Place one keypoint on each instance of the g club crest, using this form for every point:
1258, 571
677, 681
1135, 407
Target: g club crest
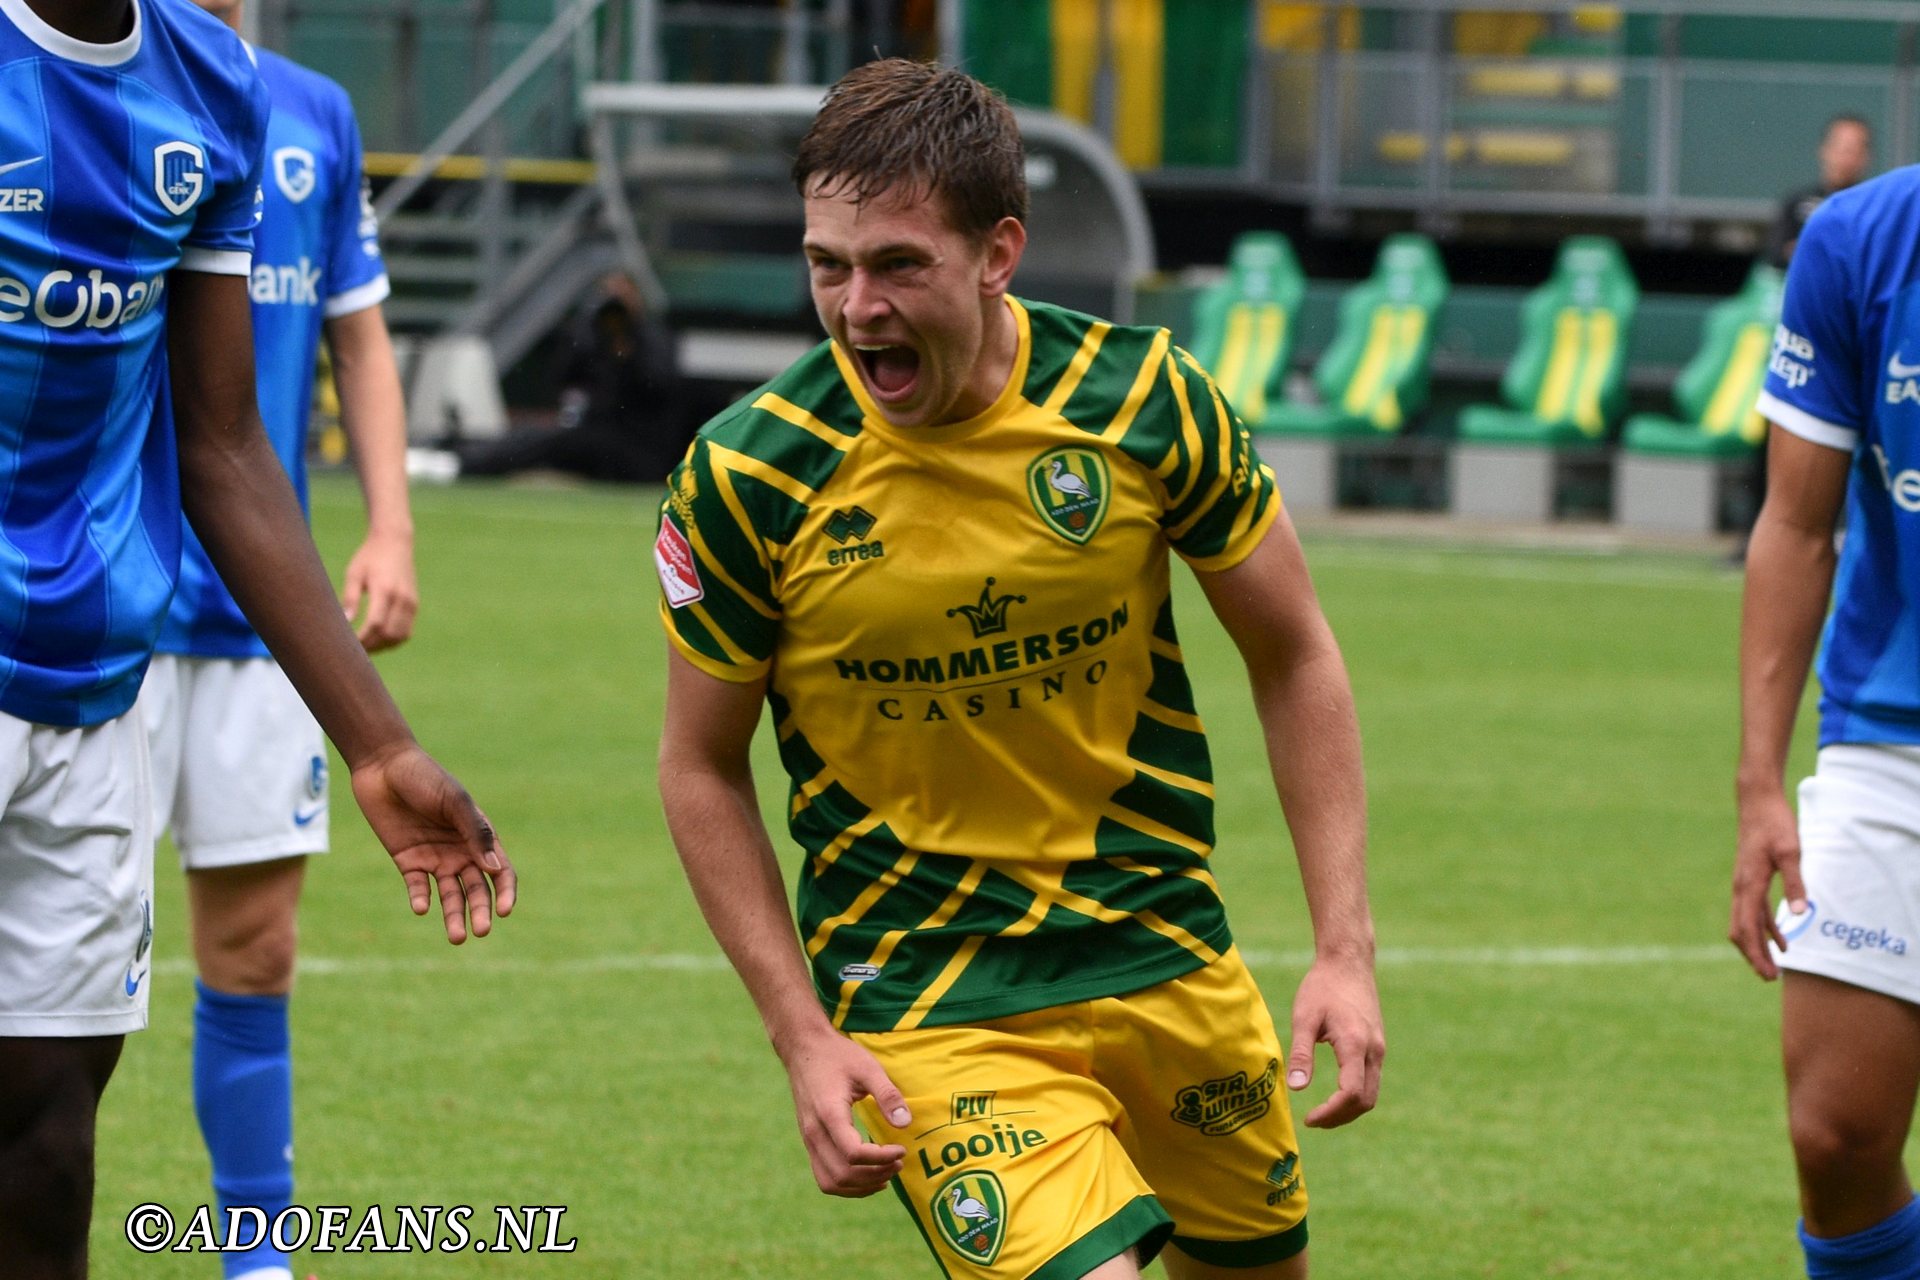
970, 1210
1070, 488
293, 172
179, 175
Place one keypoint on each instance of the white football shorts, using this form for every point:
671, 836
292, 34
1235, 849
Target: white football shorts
76, 878
239, 763
1860, 859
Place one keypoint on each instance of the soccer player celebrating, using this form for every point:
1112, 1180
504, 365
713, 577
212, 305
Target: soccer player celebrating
239, 766
131, 135
936, 548
1843, 396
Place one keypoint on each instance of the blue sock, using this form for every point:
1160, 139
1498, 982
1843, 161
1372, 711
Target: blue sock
1887, 1250
243, 1094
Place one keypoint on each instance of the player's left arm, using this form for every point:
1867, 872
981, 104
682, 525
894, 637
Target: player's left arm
1305, 704
373, 413
238, 499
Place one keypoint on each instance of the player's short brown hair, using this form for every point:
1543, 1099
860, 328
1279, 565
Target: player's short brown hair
917, 127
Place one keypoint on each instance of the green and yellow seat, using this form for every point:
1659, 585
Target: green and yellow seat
1715, 393
1567, 382
1373, 376
1244, 326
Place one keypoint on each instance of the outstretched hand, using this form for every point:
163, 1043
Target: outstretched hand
828, 1076
1338, 1003
1769, 846
437, 837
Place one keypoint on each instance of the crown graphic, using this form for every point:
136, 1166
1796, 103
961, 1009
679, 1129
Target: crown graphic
989, 617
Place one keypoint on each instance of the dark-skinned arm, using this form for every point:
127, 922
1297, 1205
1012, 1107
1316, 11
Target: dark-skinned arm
242, 506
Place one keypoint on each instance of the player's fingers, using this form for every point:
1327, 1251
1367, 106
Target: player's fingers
453, 909
506, 887
419, 891
474, 885
1306, 1033
352, 588
886, 1095
1791, 885
1342, 1107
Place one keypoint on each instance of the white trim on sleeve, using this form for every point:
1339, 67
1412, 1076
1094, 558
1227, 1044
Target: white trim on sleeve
1805, 425
217, 262
359, 298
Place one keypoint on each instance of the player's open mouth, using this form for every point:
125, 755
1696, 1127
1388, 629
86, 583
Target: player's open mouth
892, 371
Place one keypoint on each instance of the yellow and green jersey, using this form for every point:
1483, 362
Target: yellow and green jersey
998, 776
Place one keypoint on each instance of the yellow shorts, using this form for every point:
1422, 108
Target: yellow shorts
1046, 1143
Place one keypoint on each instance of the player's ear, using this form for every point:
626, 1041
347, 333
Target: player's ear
1005, 243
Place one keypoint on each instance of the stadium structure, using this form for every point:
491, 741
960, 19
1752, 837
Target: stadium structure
1478, 255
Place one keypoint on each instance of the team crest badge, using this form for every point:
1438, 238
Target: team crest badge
293, 172
179, 175
971, 1212
1069, 488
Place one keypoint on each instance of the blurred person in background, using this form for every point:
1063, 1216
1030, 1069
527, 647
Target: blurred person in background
239, 763
626, 415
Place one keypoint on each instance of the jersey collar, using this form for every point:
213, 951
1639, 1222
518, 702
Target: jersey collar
62, 45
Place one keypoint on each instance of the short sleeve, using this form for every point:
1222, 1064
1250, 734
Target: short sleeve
356, 273
1814, 386
717, 597
1220, 498
221, 242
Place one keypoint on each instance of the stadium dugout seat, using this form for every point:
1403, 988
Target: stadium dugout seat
1372, 377
1244, 326
1564, 387
1676, 474
1374, 374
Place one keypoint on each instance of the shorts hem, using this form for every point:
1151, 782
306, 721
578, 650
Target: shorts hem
1246, 1253
67, 1026
247, 852
1862, 976
1141, 1222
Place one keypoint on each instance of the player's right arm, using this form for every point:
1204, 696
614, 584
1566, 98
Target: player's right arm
706, 787
1790, 561
1813, 397
238, 499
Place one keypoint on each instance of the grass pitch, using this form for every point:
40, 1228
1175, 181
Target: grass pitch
1581, 1081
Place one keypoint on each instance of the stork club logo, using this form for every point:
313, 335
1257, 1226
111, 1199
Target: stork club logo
970, 1211
1069, 488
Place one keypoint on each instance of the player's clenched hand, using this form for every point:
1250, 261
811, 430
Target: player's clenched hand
1339, 1004
439, 840
1769, 845
381, 575
829, 1073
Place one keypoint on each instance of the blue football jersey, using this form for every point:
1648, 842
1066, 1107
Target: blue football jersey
118, 163
1845, 373
316, 256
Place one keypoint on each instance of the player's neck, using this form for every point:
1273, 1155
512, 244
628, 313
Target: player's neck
94, 21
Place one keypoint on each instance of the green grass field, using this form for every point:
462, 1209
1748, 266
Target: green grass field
1582, 1078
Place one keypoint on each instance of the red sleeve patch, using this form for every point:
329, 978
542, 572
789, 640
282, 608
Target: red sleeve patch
673, 557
